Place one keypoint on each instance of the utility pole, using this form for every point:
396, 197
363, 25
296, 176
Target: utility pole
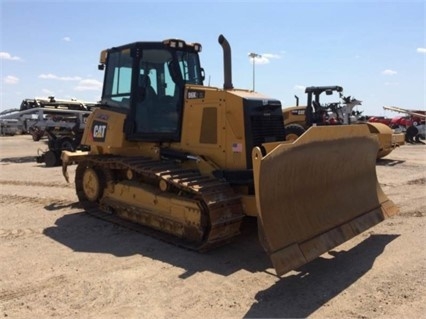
254, 56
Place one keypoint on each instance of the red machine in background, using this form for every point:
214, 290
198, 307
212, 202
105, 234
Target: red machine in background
380, 119
412, 123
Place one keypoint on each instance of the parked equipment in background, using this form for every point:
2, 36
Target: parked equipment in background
52, 102
58, 142
315, 113
34, 115
413, 124
9, 127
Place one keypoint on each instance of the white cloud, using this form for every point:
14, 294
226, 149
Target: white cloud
51, 76
389, 72
88, 85
48, 92
10, 79
66, 39
264, 58
8, 56
271, 56
299, 87
421, 50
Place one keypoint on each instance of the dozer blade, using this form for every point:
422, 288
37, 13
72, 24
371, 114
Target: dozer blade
317, 192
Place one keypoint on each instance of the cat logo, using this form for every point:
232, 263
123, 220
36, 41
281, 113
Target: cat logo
99, 131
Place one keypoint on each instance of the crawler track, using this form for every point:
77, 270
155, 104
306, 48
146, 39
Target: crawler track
221, 210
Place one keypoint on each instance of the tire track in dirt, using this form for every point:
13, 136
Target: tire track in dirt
417, 181
22, 159
32, 183
31, 288
17, 233
50, 203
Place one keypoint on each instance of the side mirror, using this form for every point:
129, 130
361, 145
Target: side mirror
174, 71
203, 75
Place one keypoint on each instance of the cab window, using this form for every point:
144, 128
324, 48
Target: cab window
118, 80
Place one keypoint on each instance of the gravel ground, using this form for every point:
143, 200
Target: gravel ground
57, 261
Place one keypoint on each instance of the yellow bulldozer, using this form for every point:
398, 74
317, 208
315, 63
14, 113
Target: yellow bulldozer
189, 162
297, 119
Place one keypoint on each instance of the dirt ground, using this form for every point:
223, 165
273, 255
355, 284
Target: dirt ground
57, 261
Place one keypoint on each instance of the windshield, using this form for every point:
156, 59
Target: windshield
147, 81
118, 79
158, 94
189, 67
164, 69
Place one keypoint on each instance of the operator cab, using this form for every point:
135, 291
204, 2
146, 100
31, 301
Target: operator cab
146, 80
315, 111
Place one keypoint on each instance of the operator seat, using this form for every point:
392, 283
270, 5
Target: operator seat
147, 91
146, 104
316, 106
318, 113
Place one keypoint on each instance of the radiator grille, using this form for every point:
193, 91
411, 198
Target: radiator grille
267, 128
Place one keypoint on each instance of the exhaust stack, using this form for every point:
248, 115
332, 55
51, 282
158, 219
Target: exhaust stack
227, 64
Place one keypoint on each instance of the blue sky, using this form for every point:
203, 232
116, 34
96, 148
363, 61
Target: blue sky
376, 50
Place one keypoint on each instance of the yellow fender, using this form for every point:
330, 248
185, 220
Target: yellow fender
69, 157
388, 140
